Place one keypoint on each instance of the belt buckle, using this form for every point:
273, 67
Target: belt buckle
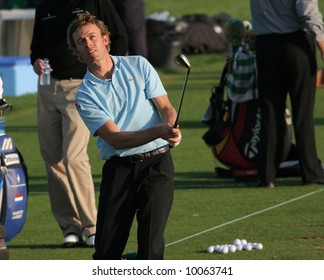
137, 157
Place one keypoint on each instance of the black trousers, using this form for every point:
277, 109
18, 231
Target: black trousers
286, 65
141, 188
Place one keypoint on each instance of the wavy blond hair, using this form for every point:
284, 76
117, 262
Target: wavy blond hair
82, 20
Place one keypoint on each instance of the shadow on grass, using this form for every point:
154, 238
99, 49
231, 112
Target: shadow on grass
199, 180
183, 180
47, 246
319, 121
38, 184
193, 125
25, 128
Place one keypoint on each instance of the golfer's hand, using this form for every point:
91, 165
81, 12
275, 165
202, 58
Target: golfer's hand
176, 136
167, 132
320, 45
177, 142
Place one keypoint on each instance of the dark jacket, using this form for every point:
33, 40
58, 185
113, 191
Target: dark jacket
52, 19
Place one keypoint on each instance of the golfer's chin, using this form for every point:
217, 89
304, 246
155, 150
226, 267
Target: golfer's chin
91, 53
91, 59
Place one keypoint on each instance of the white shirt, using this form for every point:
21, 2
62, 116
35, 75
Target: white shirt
287, 16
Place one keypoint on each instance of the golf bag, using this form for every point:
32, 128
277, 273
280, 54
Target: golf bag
235, 130
13, 186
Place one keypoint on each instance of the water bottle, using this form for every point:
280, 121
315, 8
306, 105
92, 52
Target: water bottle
45, 79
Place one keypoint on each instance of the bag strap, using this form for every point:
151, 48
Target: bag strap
225, 72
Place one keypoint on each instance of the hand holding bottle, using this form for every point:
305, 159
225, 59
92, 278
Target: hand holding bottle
45, 78
43, 69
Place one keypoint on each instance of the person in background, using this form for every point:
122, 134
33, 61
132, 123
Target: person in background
4, 105
132, 13
286, 35
63, 137
124, 104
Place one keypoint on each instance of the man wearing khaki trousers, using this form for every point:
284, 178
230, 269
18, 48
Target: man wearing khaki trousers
63, 137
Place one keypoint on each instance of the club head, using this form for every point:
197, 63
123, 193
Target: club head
182, 61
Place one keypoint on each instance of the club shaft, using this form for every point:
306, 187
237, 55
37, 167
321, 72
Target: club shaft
181, 98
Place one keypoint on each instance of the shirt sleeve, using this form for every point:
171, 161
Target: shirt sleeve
311, 17
153, 84
90, 111
36, 43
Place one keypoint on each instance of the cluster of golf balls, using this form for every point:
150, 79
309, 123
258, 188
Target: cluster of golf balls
238, 245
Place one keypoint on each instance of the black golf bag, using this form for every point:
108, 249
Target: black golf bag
13, 185
234, 133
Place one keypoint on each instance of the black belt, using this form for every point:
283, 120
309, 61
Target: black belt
144, 156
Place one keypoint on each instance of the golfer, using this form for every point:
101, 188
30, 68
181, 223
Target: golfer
123, 102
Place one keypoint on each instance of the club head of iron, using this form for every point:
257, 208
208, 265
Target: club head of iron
182, 61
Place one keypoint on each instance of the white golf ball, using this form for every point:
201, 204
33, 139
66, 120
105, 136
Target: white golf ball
216, 248
225, 250
232, 248
247, 247
259, 246
243, 242
237, 242
210, 249
239, 247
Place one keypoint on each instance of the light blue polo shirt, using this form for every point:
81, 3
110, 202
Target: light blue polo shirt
125, 99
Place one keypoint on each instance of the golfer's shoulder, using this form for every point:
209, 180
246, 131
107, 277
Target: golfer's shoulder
132, 61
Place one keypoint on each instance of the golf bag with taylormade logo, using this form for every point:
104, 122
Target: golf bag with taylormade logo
235, 130
13, 185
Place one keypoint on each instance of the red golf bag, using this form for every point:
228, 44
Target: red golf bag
235, 131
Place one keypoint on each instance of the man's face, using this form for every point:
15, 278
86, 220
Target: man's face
91, 46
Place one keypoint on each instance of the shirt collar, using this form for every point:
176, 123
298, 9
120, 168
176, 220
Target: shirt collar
95, 80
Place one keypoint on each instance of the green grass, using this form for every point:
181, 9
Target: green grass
288, 219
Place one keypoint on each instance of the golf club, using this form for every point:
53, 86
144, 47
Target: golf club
182, 61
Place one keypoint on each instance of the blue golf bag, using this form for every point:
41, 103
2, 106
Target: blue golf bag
13, 185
